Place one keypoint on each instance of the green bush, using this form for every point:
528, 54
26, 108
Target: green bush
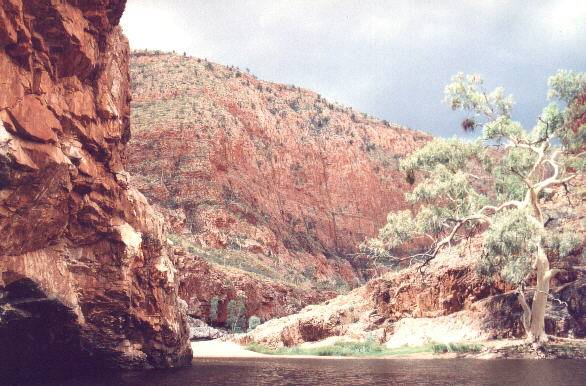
569, 242
563, 244
345, 349
214, 302
253, 322
236, 315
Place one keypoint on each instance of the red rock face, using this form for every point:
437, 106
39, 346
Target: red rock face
85, 274
269, 169
203, 283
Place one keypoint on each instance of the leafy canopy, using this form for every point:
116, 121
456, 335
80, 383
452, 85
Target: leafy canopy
491, 180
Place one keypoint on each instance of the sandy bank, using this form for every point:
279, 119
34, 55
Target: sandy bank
220, 349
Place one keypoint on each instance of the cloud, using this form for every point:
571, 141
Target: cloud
387, 58
566, 19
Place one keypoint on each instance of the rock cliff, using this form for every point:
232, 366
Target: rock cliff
264, 177
86, 276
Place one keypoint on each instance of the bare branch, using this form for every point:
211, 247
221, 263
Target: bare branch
522, 177
478, 177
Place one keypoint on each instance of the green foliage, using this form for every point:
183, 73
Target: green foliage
510, 243
550, 121
253, 322
441, 348
367, 348
503, 128
399, 228
453, 154
461, 183
566, 85
508, 184
466, 92
563, 244
346, 349
214, 303
236, 318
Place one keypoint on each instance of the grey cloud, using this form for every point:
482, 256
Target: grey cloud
390, 59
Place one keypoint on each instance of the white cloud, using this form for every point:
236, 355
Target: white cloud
152, 25
566, 19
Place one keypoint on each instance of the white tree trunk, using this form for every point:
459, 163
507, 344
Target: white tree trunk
534, 319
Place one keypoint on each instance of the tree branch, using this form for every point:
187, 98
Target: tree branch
526, 319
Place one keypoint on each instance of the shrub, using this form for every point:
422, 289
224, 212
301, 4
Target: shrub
354, 349
295, 105
563, 244
253, 322
214, 302
569, 242
236, 315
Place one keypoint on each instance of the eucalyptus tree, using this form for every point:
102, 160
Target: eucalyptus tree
494, 186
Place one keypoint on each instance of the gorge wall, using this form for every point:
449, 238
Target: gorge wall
264, 177
86, 276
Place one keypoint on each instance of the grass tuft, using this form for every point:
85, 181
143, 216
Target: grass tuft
367, 348
440, 348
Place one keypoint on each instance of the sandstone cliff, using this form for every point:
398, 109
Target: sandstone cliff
263, 177
86, 278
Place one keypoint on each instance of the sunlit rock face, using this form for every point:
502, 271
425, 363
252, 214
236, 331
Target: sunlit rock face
269, 169
86, 278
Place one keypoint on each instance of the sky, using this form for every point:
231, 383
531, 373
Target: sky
390, 59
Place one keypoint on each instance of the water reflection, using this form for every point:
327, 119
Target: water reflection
281, 371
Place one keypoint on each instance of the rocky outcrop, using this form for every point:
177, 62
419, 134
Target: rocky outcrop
204, 285
86, 277
291, 181
199, 330
449, 301
380, 311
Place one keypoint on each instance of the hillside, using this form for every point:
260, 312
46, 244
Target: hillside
264, 177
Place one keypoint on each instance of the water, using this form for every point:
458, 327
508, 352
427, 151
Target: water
302, 371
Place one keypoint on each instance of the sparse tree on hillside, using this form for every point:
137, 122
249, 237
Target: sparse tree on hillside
463, 188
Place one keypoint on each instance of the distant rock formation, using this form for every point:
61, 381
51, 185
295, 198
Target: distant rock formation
86, 276
205, 286
268, 178
199, 330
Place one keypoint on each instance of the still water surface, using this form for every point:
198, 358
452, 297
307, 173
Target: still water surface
302, 371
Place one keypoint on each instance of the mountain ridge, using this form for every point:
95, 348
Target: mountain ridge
291, 180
